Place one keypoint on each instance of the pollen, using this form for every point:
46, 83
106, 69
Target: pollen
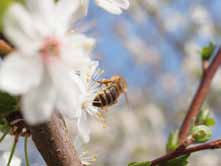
51, 47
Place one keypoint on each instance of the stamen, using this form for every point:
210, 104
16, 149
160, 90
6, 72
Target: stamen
50, 47
86, 159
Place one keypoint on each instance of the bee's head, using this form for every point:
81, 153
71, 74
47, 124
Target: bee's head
121, 82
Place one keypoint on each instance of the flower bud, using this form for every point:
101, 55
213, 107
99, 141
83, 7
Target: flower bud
201, 133
207, 51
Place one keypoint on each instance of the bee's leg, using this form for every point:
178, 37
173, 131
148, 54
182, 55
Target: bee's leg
104, 109
101, 118
105, 81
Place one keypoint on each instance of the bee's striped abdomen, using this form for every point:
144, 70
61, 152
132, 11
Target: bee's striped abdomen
107, 97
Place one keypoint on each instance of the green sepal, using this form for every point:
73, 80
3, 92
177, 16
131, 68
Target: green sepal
145, 163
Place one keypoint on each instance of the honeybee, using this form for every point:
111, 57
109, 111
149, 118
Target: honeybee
114, 87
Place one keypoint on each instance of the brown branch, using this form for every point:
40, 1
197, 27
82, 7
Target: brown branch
54, 144
5, 48
200, 96
180, 152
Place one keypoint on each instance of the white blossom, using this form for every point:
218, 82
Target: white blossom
112, 6
41, 68
89, 89
86, 158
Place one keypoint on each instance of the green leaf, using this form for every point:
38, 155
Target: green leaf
4, 126
145, 163
4, 4
210, 122
207, 51
204, 118
179, 161
172, 141
7, 103
203, 115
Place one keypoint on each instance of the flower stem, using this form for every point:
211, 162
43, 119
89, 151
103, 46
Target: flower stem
12, 150
26, 151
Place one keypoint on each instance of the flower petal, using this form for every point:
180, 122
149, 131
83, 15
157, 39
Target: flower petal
124, 4
83, 127
20, 73
19, 28
109, 6
79, 40
44, 15
67, 88
68, 8
41, 8
81, 11
77, 46
38, 103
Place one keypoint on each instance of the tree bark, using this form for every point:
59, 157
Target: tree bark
200, 96
54, 143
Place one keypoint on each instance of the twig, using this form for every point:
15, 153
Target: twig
54, 144
180, 152
200, 96
5, 48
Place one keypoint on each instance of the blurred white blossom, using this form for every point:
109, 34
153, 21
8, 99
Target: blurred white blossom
153, 112
5, 148
192, 60
85, 156
217, 81
112, 6
4, 156
42, 67
201, 17
208, 158
174, 20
